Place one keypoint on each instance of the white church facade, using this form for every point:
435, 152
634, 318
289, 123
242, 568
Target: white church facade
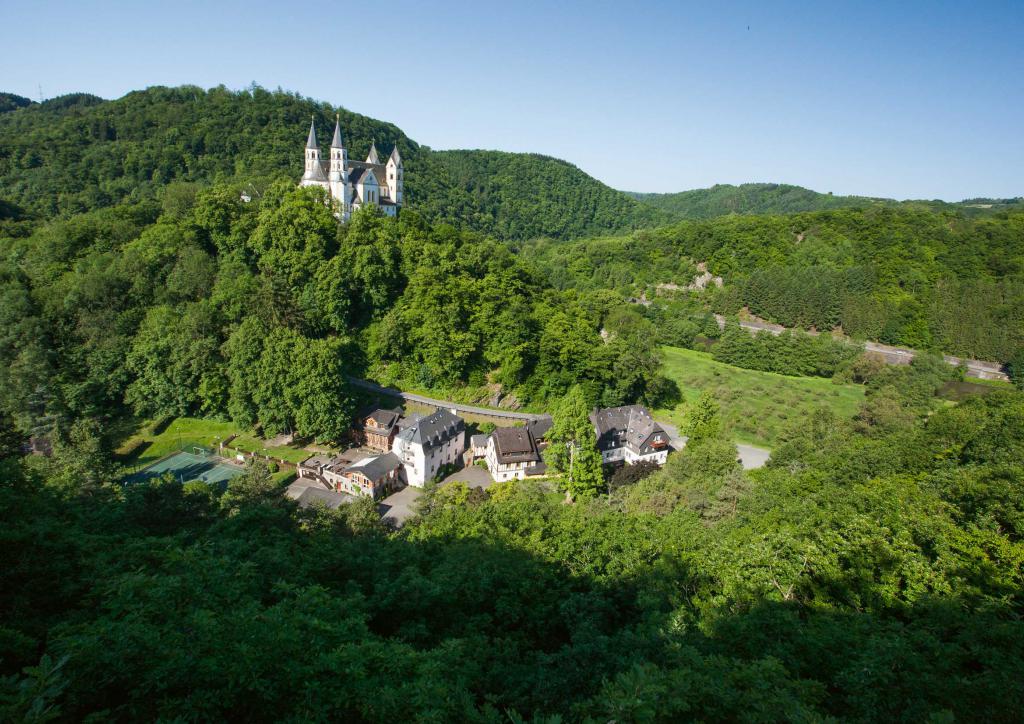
354, 184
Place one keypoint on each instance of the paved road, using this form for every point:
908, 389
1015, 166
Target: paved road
892, 355
455, 407
751, 457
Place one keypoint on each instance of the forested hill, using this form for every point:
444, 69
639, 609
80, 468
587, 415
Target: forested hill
79, 152
10, 102
765, 198
754, 198
903, 275
523, 196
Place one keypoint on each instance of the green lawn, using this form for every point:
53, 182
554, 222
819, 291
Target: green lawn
251, 443
185, 432
756, 406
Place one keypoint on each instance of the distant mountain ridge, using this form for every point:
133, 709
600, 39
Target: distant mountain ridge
771, 198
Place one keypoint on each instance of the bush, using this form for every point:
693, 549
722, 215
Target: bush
1015, 369
630, 474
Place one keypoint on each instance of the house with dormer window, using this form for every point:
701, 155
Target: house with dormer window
629, 434
426, 444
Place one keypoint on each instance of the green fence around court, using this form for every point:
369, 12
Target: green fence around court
187, 466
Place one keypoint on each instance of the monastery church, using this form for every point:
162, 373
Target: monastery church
354, 184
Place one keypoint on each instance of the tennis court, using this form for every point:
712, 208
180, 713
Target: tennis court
186, 466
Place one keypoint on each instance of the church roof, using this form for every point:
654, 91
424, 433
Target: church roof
336, 141
395, 155
373, 157
358, 168
311, 141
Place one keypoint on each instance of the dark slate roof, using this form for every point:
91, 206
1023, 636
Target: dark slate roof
317, 461
514, 445
383, 419
336, 141
329, 498
641, 425
540, 468
478, 441
539, 427
433, 429
410, 420
630, 425
358, 168
311, 141
376, 468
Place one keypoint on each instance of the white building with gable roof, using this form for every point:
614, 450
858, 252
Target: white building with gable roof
427, 444
354, 184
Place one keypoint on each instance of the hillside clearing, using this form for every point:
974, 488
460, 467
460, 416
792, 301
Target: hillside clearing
756, 406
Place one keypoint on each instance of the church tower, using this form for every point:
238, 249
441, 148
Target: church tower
394, 174
350, 184
339, 156
314, 175
338, 176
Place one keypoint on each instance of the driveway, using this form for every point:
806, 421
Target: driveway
472, 475
751, 457
399, 507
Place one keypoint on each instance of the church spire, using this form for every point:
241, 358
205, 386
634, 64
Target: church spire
336, 142
395, 156
311, 141
373, 157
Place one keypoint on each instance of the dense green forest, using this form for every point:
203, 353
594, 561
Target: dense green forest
905, 276
77, 153
11, 101
524, 196
755, 198
871, 573
762, 198
205, 304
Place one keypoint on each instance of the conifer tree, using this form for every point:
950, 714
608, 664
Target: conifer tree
573, 449
702, 418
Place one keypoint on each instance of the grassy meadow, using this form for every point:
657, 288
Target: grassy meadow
186, 432
756, 406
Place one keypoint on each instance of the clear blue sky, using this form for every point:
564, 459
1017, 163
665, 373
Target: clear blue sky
901, 99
